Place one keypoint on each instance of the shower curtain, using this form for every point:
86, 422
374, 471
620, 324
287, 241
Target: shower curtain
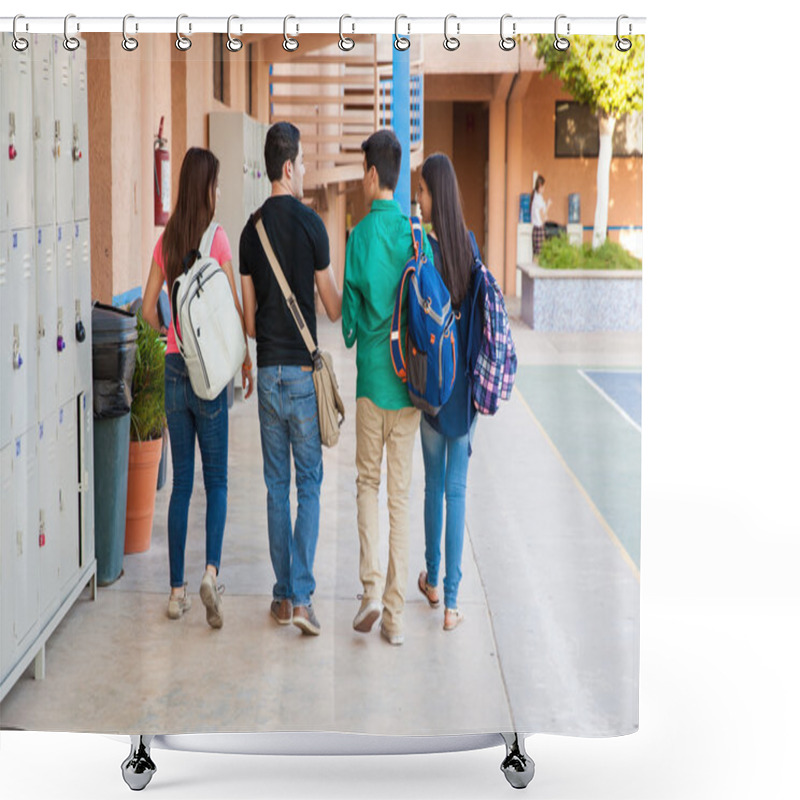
550, 567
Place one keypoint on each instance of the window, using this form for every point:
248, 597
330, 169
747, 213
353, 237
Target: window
577, 132
219, 67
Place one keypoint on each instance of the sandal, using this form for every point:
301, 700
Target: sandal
452, 618
431, 592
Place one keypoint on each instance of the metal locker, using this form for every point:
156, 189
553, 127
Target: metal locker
44, 162
16, 138
19, 319
46, 319
65, 312
68, 528
8, 533
86, 477
18, 368
82, 330
6, 342
80, 133
25, 543
62, 146
49, 534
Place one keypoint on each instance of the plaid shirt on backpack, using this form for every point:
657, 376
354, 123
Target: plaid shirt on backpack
491, 355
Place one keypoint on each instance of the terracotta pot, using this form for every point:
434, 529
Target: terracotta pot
143, 461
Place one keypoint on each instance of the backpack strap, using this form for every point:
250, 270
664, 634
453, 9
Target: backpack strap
395, 343
416, 232
398, 359
208, 239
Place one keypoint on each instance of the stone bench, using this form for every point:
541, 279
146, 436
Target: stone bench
580, 299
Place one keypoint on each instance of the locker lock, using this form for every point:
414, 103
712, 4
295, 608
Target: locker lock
57, 141
16, 357
12, 130
42, 537
77, 153
61, 343
80, 331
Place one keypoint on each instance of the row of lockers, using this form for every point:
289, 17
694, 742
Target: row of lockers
47, 524
46, 408
45, 323
44, 144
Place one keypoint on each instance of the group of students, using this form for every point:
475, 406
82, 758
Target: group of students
377, 251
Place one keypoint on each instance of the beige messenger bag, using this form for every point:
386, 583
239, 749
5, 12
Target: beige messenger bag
330, 408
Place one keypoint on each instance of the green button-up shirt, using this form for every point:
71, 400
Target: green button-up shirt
377, 251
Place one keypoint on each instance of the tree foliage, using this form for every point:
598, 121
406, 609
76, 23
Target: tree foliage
594, 72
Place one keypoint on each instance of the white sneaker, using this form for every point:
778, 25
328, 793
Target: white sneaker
367, 615
392, 638
209, 594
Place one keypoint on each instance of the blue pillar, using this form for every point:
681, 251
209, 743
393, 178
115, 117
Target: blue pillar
401, 123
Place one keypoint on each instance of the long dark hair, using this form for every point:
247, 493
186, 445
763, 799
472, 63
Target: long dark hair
538, 183
447, 219
193, 212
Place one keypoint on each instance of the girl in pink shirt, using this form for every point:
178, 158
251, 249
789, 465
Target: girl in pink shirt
190, 418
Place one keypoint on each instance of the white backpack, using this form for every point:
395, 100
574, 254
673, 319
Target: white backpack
211, 339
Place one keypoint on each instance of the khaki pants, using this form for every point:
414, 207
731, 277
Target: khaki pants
376, 427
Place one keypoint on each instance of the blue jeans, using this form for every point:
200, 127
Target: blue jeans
188, 417
287, 410
446, 462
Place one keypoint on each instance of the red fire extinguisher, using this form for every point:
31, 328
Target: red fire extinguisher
162, 178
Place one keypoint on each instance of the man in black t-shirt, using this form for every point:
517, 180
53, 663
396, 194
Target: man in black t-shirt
287, 403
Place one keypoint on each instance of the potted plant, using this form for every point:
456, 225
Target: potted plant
147, 427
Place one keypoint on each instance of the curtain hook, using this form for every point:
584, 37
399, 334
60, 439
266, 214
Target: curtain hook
129, 43
560, 43
345, 42
182, 42
233, 44
451, 43
19, 43
507, 42
401, 42
70, 42
289, 44
623, 45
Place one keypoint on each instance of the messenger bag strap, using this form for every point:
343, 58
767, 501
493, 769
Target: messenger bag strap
291, 300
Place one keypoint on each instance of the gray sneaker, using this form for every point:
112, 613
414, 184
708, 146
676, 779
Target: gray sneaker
367, 615
179, 604
305, 619
210, 595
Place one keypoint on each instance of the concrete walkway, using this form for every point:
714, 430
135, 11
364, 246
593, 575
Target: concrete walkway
549, 644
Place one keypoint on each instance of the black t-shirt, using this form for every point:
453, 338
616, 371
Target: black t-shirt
300, 242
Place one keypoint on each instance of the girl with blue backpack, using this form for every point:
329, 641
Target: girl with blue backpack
446, 437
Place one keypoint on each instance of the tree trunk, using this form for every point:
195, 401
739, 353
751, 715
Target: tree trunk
606, 124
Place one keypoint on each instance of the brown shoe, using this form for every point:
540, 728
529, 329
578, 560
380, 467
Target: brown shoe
305, 619
281, 611
431, 592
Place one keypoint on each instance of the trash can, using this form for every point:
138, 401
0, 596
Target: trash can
113, 361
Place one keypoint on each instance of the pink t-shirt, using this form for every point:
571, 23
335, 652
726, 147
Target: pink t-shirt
220, 250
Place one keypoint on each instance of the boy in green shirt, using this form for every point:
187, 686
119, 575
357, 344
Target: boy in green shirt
377, 251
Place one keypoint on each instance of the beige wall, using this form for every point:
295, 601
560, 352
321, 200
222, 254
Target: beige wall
567, 175
129, 92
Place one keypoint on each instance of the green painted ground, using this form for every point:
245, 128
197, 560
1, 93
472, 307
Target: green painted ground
599, 445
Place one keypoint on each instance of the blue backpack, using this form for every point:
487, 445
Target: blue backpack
428, 366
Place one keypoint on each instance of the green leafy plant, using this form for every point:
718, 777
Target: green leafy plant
147, 406
558, 253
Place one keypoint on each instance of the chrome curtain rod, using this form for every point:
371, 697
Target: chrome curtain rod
296, 26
